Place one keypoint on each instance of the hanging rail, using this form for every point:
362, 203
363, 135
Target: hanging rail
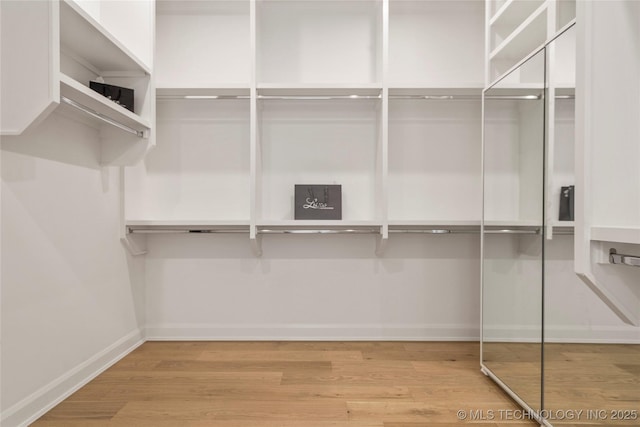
318, 97
319, 231
203, 97
356, 97
160, 230
376, 230
92, 113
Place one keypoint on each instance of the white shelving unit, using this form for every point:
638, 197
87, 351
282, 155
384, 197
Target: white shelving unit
364, 94
77, 49
515, 28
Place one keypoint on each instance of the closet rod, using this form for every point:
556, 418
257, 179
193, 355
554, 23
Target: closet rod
616, 258
203, 97
432, 231
437, 97
512, 231
468, 97
102, 117
319, 231
330, 97
179, 231
318, 97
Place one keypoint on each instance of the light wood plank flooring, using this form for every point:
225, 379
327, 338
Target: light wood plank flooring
288, 384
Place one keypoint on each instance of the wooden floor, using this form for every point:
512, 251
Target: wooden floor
288, 384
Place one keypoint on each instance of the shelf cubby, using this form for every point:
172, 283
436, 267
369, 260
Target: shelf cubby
509, 17
513, 153
319, 42
87, 52
422, 35
203, 44
83, 95
199, 170
318, 142
433, 156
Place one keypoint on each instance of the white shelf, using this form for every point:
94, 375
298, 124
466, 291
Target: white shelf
306, 224
524, 39
231, 89
563, 224
89, 98
616, 234
318, 89
512, 223
419, 89
433, 223
513, 12
174, 225
85, 39
517, 89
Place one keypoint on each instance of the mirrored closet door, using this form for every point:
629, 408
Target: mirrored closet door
537, 340
513, 220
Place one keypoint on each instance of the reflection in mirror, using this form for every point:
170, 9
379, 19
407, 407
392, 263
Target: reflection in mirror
585, 369
514, 110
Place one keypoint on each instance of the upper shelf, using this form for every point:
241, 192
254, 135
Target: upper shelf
525, 38
319, 89
87, 41
168, 226
417, 89
231, 89
513, 12
616, 234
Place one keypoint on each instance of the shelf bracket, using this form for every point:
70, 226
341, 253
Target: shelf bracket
256, 241
383, 239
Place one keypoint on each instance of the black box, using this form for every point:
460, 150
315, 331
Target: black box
318, 202
566, 203
119, 95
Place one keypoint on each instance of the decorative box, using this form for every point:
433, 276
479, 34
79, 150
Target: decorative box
318, 202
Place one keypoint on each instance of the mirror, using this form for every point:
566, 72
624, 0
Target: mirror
590, 374
512, 237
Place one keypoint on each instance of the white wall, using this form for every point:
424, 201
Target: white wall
72, 300
313, 287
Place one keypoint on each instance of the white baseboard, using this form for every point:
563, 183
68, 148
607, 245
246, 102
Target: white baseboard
304, 332
38, 403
